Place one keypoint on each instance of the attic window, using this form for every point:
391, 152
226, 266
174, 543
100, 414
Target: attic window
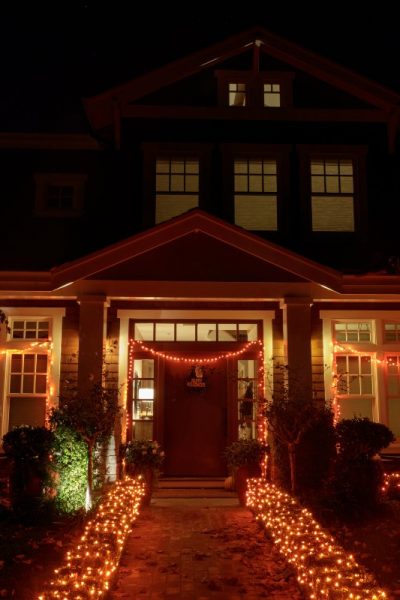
272, 95
237, 94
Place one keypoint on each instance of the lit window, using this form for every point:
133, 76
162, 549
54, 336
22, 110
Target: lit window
353, 332
255, 189
143, 396
28, 386
177, 186
393, 392
391, 332
272, 95
29, 330
354, 385
237, 94
332, 195
247, 385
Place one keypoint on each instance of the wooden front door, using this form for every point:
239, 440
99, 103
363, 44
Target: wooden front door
195, 433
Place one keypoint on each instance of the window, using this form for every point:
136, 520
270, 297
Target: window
391, 332
247, 395
354, 385
177, 186
332, 194
59, 194
352, 332
29, 330
255, 194
28, 388
393, 392
143, 391
237, 94
195, 332
272, 94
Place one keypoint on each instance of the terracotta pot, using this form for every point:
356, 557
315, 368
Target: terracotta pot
149, 477
243, 473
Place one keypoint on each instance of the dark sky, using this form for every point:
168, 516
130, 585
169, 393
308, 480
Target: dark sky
54, 52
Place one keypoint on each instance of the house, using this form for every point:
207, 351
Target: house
232, 208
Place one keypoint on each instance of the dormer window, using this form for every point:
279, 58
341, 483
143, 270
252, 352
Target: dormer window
272, 95
237, 94
268, 89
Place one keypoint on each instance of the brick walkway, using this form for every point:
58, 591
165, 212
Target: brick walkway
201, 549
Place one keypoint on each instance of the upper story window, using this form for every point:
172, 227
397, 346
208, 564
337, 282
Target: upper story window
177, 186
59, 194
272, 94
255, 193
29, 330
353, 332
237, 94
332, 194
391, 332
269, 89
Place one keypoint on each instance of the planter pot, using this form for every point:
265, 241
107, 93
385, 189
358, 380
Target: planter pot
242, 474
149, 478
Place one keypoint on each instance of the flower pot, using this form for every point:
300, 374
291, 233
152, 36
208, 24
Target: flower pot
148, 475
243, 473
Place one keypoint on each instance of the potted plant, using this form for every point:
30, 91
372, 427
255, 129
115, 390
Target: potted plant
144, 457
244, 459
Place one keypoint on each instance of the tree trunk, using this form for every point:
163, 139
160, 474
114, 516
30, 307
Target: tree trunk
292, 462
89, 489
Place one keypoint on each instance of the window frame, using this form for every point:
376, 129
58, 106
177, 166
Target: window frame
44, 180
153, 151
278, 152
357, 154
254, 82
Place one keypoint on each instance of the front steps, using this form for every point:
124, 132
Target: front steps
192, 487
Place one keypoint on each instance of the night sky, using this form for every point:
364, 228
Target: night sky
55, 52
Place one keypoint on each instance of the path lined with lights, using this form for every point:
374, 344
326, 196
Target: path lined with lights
324, 569
201, 550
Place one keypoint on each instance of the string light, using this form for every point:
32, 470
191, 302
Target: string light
87, 570
391, 481
324, 569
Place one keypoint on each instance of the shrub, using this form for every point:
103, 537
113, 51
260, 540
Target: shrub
70, 465
245, 452
29, 448
144, 453
354, 488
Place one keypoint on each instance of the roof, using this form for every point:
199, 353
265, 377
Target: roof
100, 108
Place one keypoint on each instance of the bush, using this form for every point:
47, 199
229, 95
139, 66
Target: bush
143, 453
245, 452
29, 448
70, 465
354, 488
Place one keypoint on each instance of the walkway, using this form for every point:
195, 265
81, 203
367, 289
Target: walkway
201, 548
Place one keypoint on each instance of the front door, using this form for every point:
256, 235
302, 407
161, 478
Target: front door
195, 412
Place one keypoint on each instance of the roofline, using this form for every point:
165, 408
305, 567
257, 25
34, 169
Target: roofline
284, 50
48, 141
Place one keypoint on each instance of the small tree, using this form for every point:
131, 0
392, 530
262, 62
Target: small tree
93, 417
290, 413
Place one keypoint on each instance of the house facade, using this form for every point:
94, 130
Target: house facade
228, 211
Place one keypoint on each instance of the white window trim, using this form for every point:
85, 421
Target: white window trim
55, 316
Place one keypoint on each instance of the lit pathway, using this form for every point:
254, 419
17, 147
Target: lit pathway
201, 549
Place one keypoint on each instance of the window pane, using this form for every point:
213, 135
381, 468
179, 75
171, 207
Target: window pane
257, 213
341, 365
332, 185
332, 213
246, 369
227, 332
241, 183
177, 183
27, 411
355, 407
248, 331
366, 385
240, 166
170, 206
15, 384
143, 331
177, 166
162, 183
185, 332
29, 363
165, 332
318, 184
27, 384
192, 183
40, 384
255, 183
16, 363
353, 365
354, 384
255, 167
41, 363
206, 332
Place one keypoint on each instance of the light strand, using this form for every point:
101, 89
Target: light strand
87, 571
324, 569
